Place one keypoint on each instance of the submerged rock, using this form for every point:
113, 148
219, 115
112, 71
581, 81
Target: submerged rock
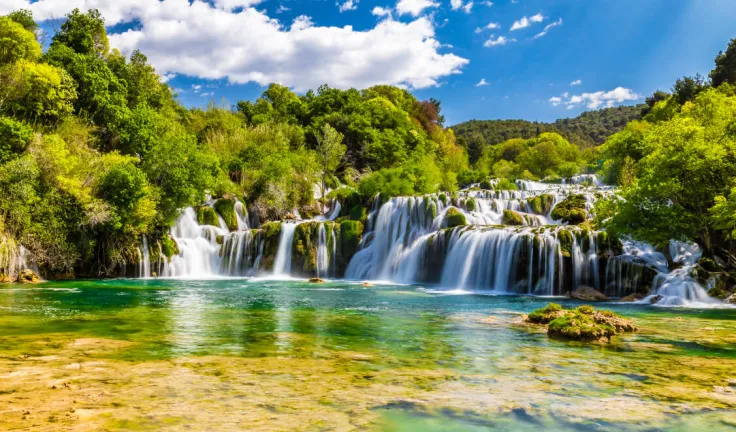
586, 293
316, 280
632, 298
28, 276
367, 284
583, 323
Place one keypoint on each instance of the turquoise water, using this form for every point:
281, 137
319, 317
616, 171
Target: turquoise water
342, 356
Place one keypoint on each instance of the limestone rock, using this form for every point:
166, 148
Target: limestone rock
28, 276
586, 293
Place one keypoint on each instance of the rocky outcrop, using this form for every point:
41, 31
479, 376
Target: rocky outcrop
28, 276
586, 293
583, 323
512, 218
454, 218
571, 210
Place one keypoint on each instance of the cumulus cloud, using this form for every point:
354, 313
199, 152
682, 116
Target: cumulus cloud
482, 83
597, 99
209, 41
348, 5
576, 82
525, 22
491, 42
414, 7
547, 28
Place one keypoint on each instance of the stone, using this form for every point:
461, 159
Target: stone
367, 284
316, 280
512, 218
586, 293
454, 218
631, 298
731, 299
28, 276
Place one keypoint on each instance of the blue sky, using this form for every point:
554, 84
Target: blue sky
619, 51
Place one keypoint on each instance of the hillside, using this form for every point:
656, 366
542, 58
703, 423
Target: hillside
588, 129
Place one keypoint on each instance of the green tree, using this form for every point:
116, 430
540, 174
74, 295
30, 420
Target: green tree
84, 33
16, 42
24, 17
725, 70
330, 152
14, 138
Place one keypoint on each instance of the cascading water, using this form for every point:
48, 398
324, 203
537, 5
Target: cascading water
323, 257
145, 260
282, 264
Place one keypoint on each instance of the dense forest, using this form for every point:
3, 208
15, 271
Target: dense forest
589, 129
96, 151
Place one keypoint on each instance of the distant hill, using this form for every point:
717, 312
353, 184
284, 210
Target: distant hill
590, 128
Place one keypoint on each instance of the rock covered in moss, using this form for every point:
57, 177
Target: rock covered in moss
571, 210
28, 276
565, 238
225, 207
359, 213
541, 204
583, 323
486, 185
351, 232
512, 218
470, 204
316, 280
207, 216
586, 293
168, 246
454, 218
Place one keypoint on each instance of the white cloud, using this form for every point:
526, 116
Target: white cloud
381, 11
348, 5
576, 82
167, 77
497, 41
414, 7
547, 28
282, 9
207, 94
597, 99
482, 83
490, 26
525, 22
458, 4
196, 88
201, 40
487, 3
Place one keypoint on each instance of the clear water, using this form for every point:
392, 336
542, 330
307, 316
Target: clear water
288, 355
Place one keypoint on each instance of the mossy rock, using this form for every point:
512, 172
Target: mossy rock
584, 323
359, 213
566, 238
351, 232
207, 216
512, 218
442, 197
470, 204
169, 247
454, 218
541, 204
226, 208
28, 276
486, 185
571, 210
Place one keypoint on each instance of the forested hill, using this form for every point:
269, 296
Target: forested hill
588, 129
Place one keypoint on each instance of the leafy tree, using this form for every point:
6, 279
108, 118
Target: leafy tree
330, 151
24, 17
84, 33
16, 42
14, 138
45, 93
686, 88
725, 70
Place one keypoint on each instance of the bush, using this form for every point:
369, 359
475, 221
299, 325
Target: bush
14, 138
123, 185
571, 210
505, 184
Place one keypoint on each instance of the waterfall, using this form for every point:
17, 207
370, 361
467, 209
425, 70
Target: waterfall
145, 260
241, 215
323, 259
282, 264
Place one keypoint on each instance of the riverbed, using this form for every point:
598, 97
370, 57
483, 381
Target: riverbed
259, 354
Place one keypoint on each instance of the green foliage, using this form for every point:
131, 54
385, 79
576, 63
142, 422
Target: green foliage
358, 213
470, 204
588, 129
545, 314
123, 185
725, 70
17, 42
169, 247
351, 232
207, 216
505, 184
541, 204
84, 33
454, 218
14, 138
225, 207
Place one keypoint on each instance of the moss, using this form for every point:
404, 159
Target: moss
512, 218
207, 216
226, 209
565, 238
571, 210
541, 204
454, 218
169, 247
443, 197
470, 204
271, 229
432, 210
358, 213
583, 323
486, 185
351, 232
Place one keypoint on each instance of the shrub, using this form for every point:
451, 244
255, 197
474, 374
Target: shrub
14, 138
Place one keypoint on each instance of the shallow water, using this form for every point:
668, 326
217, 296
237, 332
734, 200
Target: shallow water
235, 354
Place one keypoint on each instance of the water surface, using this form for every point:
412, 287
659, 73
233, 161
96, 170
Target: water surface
288, 355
